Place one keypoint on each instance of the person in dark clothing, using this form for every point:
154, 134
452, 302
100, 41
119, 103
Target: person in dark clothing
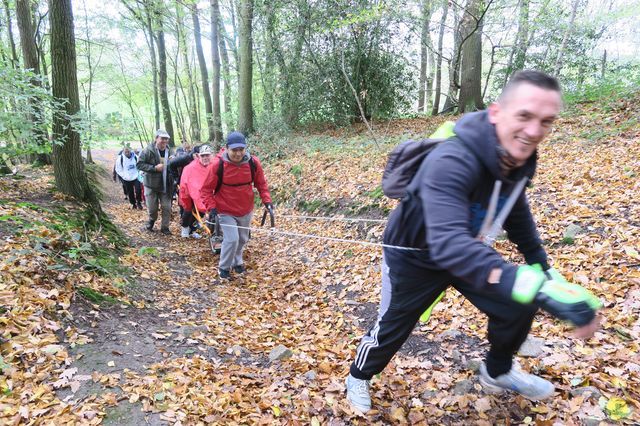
158, 182
442, 220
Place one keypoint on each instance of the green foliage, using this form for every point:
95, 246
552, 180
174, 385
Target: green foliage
620, 81
151, 251
296, 171
376, 194
313, 206
95, 296
25, 111
364, 35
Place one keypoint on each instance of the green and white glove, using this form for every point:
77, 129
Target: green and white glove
551, 292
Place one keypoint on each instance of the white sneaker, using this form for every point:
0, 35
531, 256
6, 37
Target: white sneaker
184, 233
196, 235
358, 393
528, 385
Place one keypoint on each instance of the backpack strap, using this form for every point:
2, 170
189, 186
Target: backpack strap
252, 166
220, 173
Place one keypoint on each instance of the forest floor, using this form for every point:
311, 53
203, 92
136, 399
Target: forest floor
95, 329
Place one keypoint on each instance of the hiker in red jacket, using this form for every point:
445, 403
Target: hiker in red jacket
193, 176
227, 193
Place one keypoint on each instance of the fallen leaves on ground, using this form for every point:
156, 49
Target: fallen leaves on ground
316, 298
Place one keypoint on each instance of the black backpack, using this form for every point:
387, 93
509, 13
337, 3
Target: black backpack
405, 159
252, 166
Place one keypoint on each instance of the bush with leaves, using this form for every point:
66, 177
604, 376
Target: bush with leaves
20, 120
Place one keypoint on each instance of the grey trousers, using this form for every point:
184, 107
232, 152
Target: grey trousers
153, 199
234, 239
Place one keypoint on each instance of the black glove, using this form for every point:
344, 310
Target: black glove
213, 216
269, 207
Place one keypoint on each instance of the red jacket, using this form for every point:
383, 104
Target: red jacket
235, 197
193, 176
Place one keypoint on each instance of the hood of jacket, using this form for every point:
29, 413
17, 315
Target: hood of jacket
245, 159
479, 135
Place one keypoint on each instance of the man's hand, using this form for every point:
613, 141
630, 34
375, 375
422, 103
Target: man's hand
587, 331
269, 207
551, 292
159, 167
213, 216
567, 301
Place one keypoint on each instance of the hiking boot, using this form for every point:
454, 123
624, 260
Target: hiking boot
240, 269
165, 231
139, 205
224, 274
149, 227
184, 232
358, 393
528, 385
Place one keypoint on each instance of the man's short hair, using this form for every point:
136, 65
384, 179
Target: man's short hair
535, 78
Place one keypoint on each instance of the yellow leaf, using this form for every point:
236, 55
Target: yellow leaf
315, 421
631, 252
617, 408
399, 415
276, 411
618, 382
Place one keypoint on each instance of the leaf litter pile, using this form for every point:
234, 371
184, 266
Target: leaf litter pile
153, 337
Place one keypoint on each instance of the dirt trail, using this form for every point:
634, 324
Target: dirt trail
296, 296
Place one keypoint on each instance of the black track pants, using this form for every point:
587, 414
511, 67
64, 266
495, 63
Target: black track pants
411, 295
133, 190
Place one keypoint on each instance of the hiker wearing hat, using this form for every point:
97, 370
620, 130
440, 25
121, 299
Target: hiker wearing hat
126, 170
442, 233
158, 182
227, 193
193, 176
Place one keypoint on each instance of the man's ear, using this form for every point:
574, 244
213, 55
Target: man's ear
494, 112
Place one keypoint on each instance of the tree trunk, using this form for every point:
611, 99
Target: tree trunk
270, 65
565, 38
245, 112
425, 42
154, 64
438, 83
226, 78
520, 56
204, 76
517, 56
471, 66
67, 159
40, 48
12, 43
215, 80
192, 103
31, 62
27, 36
162, 77
232, 40
454, 66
